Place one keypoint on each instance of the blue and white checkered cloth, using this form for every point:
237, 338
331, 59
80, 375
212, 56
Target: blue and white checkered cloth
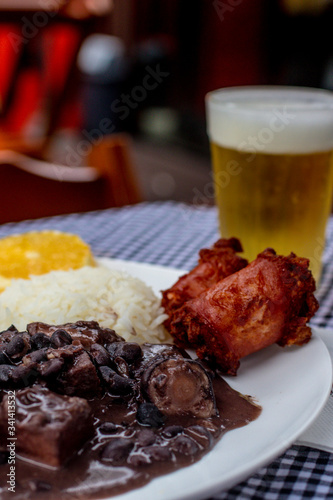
171, 234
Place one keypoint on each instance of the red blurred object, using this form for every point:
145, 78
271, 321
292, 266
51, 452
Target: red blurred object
22, 108
34, 75
60, 44
39, 43
9, 60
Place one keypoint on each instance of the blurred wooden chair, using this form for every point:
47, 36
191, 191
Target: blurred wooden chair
32, 188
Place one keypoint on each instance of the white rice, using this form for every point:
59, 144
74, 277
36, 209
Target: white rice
113, 298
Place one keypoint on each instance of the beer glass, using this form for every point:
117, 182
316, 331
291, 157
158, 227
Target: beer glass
272, 160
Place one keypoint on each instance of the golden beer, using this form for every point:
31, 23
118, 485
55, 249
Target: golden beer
273, 170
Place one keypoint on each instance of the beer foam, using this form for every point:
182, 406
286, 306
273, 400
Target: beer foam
271, 120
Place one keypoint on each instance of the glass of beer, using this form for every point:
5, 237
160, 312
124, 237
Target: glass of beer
273, 167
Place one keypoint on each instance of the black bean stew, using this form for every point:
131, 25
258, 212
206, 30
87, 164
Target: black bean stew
95, 416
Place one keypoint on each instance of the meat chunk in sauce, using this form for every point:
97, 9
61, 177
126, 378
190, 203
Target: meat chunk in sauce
82, 332
49, 427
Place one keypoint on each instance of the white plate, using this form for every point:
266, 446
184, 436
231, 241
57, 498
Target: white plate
292, 385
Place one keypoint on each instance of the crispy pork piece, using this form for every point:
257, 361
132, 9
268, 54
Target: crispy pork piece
49, 427
214, 264
271, 300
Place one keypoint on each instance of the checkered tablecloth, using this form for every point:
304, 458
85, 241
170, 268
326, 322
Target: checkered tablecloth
170, 234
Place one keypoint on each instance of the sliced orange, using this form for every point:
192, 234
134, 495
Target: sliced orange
39, 252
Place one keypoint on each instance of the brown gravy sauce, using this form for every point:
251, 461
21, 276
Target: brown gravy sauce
156, 451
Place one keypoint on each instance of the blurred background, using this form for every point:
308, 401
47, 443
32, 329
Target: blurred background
75, 71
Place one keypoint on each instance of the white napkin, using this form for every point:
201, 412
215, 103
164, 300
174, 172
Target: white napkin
320, 434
